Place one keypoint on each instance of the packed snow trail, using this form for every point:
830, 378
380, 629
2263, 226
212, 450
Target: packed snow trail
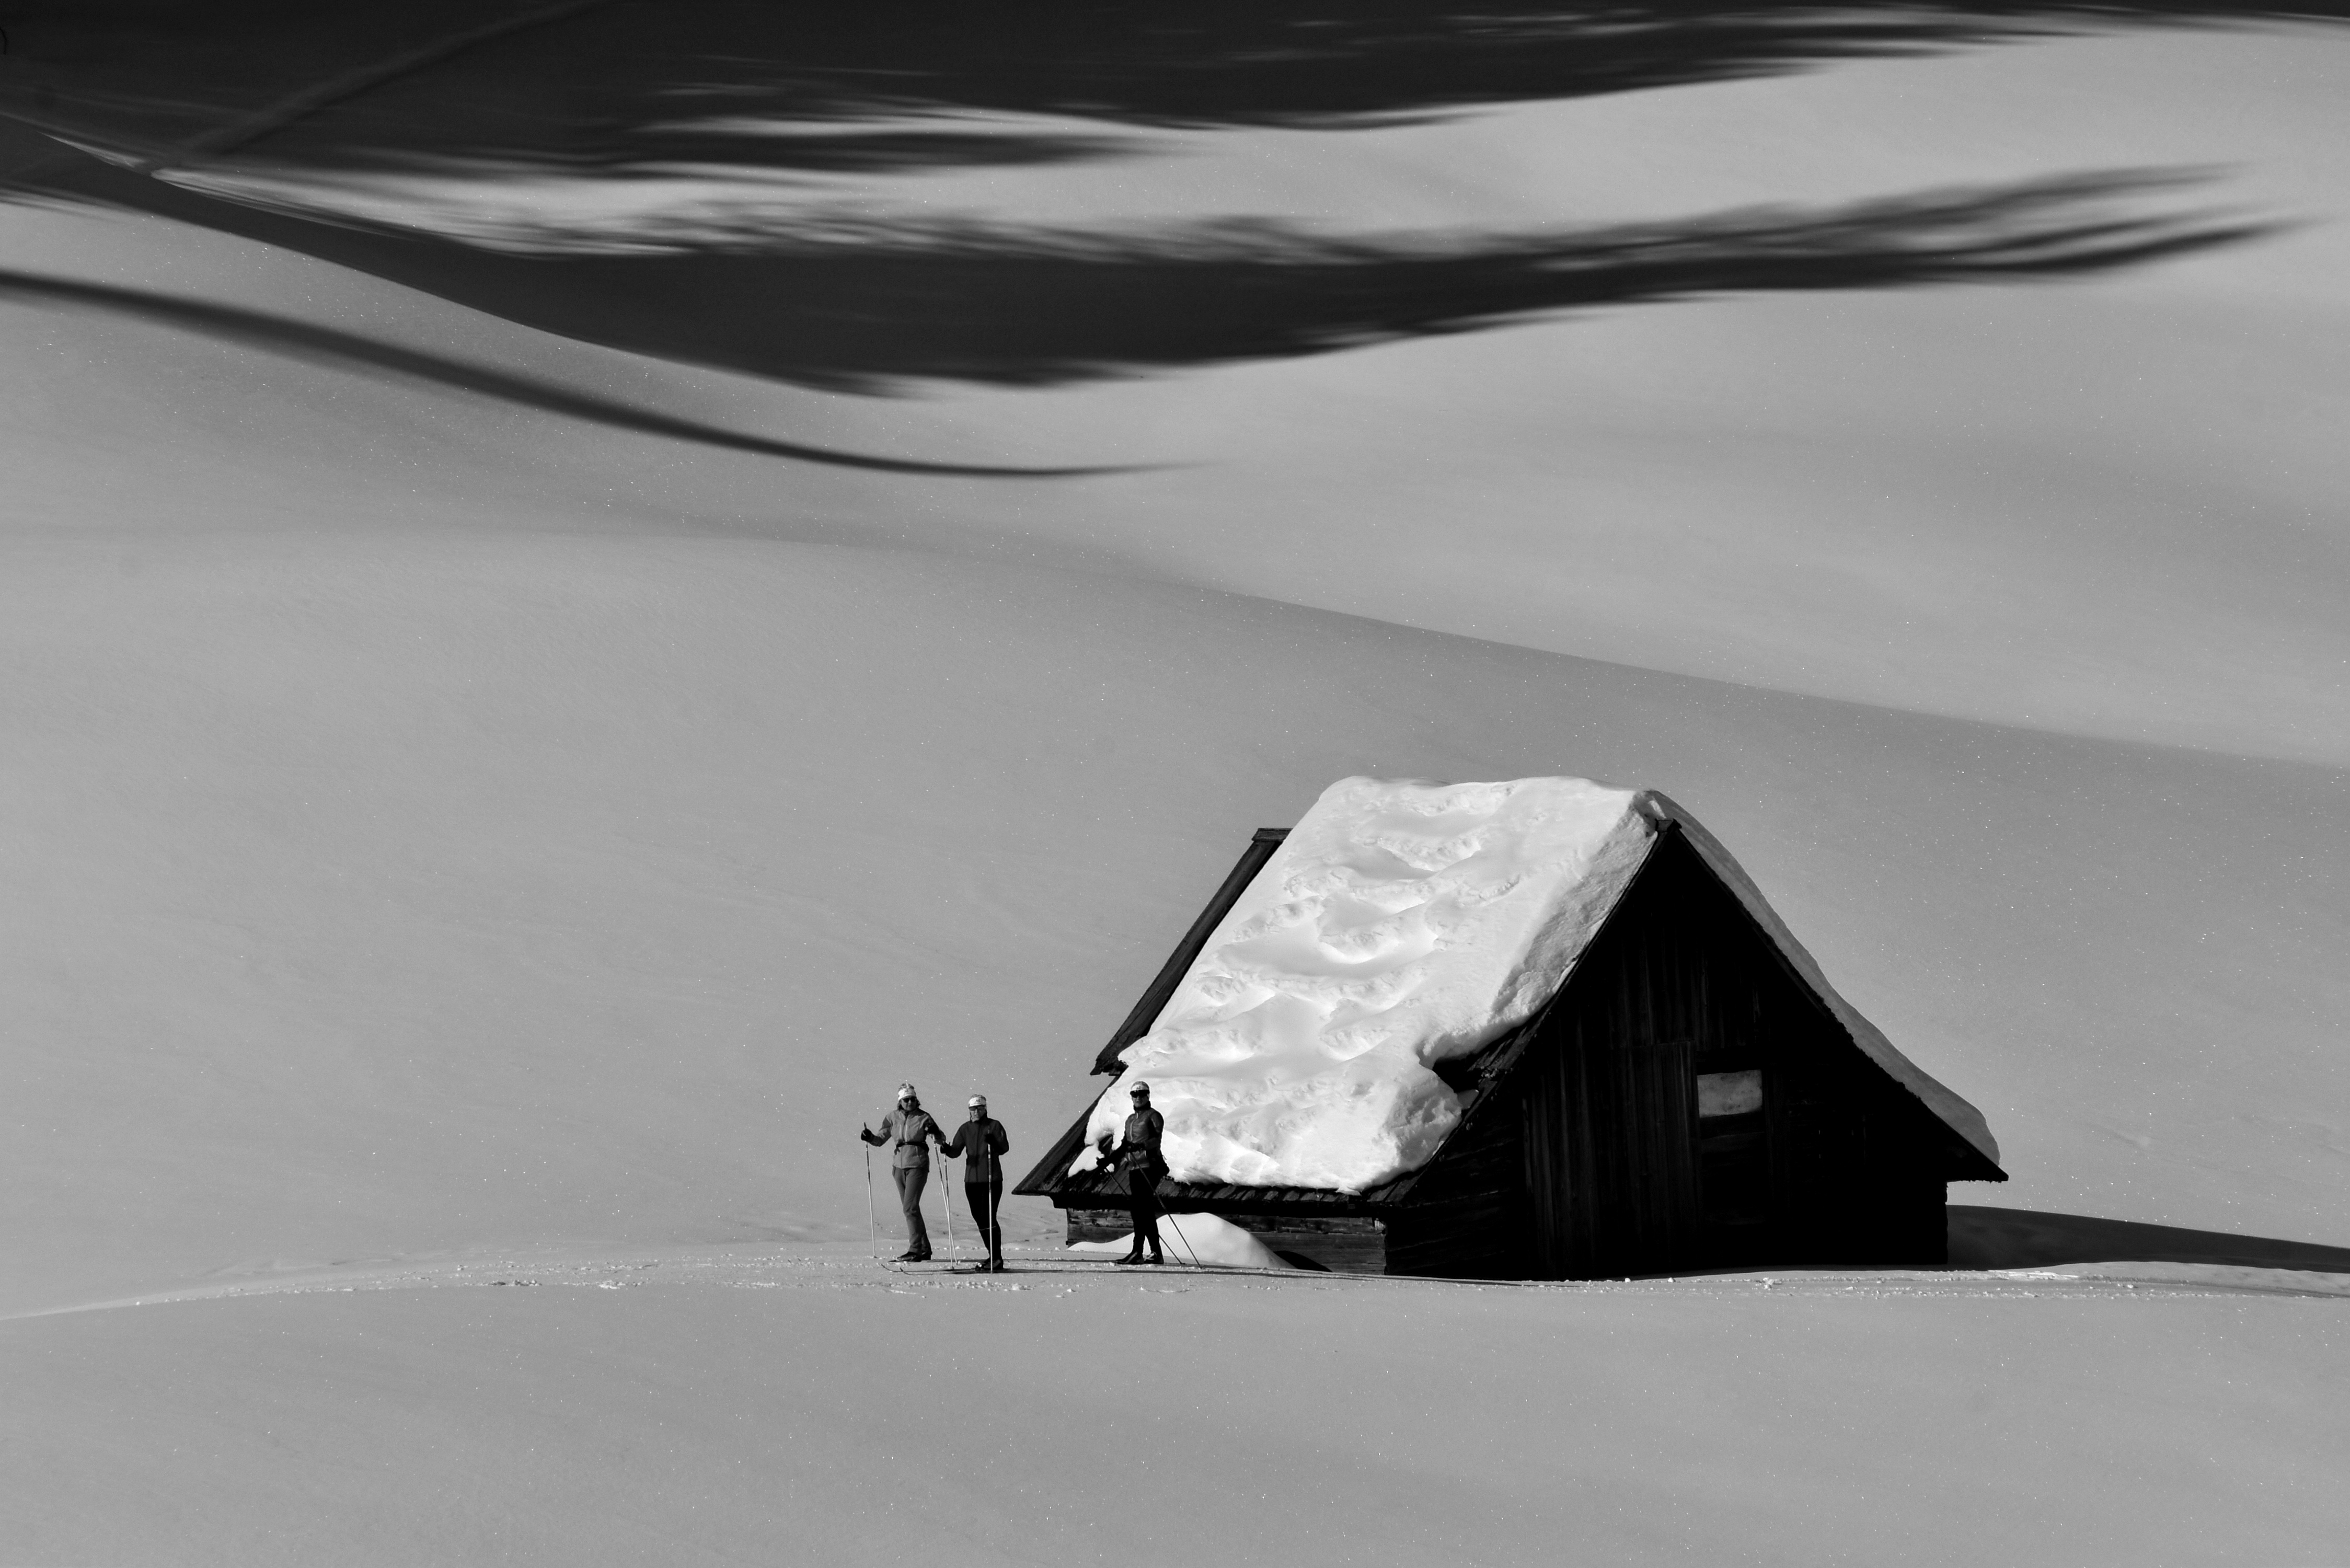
1208, 1242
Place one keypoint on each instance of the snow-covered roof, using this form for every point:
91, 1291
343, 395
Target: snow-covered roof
1399, 925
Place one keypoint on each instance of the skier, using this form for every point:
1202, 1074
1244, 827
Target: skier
1137, 1154
907, 1129
982, 1142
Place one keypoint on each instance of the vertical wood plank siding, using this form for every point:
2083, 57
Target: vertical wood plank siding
1581, 1152
1587, 1158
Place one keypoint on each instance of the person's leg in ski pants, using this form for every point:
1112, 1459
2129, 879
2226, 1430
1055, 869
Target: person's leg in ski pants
1142, 1204
982, 1199
909, 1198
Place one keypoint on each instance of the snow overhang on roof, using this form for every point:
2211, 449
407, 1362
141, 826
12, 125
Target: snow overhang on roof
1401, 925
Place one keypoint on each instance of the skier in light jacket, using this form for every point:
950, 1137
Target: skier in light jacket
909, 1130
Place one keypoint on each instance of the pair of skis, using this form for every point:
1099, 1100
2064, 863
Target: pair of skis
954, 1250
946, 1197
1169, 1215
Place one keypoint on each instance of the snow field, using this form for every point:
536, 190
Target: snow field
841, 1414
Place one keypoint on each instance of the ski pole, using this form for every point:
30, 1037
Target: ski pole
1182, 1238
946, 1197
872, 1232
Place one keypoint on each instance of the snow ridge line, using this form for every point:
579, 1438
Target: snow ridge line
298, 106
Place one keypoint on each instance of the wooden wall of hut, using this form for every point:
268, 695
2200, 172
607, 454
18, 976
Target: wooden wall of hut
1685, 1102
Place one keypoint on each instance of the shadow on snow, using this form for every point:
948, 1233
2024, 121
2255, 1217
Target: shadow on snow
629, 89
618, 84
2025, 1239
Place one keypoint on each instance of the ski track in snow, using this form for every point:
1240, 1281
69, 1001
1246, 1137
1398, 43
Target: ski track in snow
1054, 1272
620, 1405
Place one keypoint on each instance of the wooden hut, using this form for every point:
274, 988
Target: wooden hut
1691, 1094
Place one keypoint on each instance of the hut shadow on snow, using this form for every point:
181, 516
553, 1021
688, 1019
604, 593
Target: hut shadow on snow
2024, 1239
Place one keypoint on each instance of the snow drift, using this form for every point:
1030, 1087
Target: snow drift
1400, 924
1200, 1239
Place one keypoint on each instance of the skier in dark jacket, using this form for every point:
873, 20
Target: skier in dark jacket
907, 1130
982, 1143
1137, 1156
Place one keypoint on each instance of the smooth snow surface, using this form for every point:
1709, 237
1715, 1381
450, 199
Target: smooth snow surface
803, 1406
1400, 924
1199, 1239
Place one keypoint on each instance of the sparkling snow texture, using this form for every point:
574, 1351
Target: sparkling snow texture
1400, 924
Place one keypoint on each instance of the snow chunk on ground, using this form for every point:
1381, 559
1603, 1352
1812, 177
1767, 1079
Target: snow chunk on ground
1199, 1239
1401, 923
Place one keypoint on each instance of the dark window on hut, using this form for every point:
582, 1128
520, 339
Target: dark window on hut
1733, 1147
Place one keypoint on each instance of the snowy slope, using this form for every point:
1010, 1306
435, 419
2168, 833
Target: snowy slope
405, 868
2108, 506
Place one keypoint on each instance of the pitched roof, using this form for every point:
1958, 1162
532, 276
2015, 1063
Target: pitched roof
1587, 840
